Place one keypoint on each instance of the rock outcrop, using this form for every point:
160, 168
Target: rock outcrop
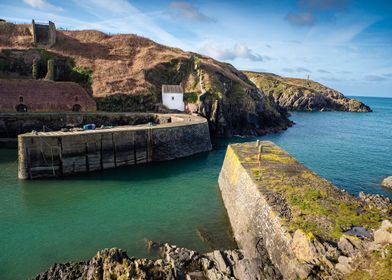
176, 263
126, 72
387, 182
304, 95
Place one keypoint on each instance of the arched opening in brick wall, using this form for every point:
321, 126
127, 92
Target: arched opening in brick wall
76, 108
21, 108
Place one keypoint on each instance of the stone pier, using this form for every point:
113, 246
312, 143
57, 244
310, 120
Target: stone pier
283, 213
54, 154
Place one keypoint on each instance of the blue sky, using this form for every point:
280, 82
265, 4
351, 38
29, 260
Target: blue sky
345, 44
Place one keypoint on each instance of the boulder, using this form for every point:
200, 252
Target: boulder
384, 234
387, 182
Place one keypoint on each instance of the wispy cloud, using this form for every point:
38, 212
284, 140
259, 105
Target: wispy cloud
237, 51
345, 72
323, 71
375, 78
297, 70
188, 11
120, 16
300, 19
42, 4
309, 10
324, 5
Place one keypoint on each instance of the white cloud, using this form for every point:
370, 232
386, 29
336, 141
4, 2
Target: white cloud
120, 16
237, 51
300, 19
42, 4
188, 11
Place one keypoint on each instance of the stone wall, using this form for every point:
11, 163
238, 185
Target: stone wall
44, 96
54, 154
43, 34
304, 224
13, 124
255, 224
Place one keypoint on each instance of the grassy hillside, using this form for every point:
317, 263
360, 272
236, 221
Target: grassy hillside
127, 72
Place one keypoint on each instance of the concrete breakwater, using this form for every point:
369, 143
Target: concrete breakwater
283, 214
53, 154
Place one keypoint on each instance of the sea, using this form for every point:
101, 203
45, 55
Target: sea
58, 220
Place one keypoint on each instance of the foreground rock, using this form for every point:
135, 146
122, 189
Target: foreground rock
176, 263
387, 182
304, 95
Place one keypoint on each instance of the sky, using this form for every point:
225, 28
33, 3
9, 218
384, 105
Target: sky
345, 44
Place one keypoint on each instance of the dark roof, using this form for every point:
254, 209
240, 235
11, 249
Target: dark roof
172, 89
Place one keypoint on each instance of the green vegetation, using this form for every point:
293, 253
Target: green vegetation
35, 70
317, 207
6, 52
50, 73
377, 267
4, 65
82, 76
53, 67
190, 97
126, 103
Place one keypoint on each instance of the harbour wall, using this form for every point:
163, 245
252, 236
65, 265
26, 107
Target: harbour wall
56, 154
254, 222
13, 124
283, 214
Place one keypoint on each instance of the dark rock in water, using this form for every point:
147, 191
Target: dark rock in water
205, 237
152, 246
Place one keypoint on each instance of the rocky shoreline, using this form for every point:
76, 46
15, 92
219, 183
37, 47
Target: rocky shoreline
295, 94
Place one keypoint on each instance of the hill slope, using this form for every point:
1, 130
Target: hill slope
128, 71
304, 95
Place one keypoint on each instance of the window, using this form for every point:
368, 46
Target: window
21, 99
76, 99
76, 108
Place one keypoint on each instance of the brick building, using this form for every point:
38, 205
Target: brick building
43, 96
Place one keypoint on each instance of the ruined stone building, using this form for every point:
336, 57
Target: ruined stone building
27, 95
43, 34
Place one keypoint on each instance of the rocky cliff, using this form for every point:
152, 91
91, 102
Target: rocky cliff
125, 73
304, 95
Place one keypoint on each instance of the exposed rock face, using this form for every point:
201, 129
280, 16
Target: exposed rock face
128, 72
176, 263
376, 201
304, 95
387, 182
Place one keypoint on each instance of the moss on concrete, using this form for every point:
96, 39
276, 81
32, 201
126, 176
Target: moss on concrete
317, 206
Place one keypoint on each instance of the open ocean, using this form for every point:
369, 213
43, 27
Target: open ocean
48, 221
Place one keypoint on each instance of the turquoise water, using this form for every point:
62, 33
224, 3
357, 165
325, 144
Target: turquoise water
43, 222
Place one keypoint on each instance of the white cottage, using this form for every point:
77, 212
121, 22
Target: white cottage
173, 97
